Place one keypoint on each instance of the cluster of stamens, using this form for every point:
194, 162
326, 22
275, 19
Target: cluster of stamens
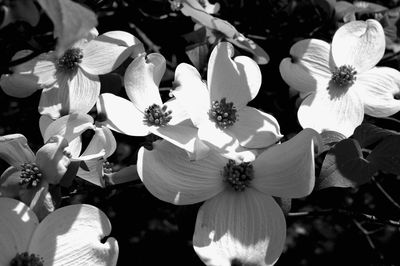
25, 259
155, 115
238, 175
344, 76
223, 113
30, 175
176, 5
70, 60
107, 167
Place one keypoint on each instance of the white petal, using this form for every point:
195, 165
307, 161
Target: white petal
255, 129
259, 55
360, 44
287, 169
121, 115
179, 114
237, 80
44, 122
106, 52
9, 182
169, 175
192, 92
124, 38
102, 144
323, 111
126, 174
377, 88
69, 126
95, 173
17, 224
71, 236
239, 228
308, 69
142, 78
14, 150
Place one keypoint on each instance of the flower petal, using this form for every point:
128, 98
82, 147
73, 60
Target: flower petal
121, 115
58, 238
191, 92
142, 78
126, 39
255, 129
239, 228
237, 80
287, 170
9, 182
15, 151
44, 122
377, 88
95, 173
75, 94
308, 67
107, 52
103, 144
360, 44
169, 175
51, 159
69, 126
126, 174
323, 111
17, 224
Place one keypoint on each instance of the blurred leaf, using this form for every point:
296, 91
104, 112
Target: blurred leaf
389, 123
386, 155
71, 21
198, 55
344, 166
328, 6
329, 139
368, 134
368, 7
20, 10
344, 11
284, 203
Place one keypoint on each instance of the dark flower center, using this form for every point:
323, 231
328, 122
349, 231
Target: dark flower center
344, 76
30, 175
107, 167
25, 259
70, 60
223, 113
155, 115
238, 175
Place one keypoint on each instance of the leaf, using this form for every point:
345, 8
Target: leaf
368, 134
21, 10
329, 139
71, 21
284, 203
259, 55
344, 11
386, 155
198, 55
363, 7
389, 123
344, 166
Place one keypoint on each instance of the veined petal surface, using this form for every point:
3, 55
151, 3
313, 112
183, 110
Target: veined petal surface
239, 228
14, 150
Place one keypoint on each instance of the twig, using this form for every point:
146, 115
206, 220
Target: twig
384, 192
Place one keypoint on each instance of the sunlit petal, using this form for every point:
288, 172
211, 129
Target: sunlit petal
192, 92
72, 235
237, 80
142, 78
323, 111
44, 122
17, 224
179, 113
126, 174
239, 228
287, 169
377, 88
121, 115
126, 39
103, 144
94, 174
169, 175
255, 129
14, 150
360, 44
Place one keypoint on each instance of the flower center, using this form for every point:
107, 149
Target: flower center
344, 76
238, 175
25, 259
30, 175
107, 167
223, 113
70, 60
155, 115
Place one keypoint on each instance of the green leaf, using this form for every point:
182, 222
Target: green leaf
71, 21
329, 139
284, 203
198, 55
386, 155
368, 134
345, 166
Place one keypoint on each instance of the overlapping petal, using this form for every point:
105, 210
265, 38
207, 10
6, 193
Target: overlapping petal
308, 67
287, 169
237, 80
94, 172
102, 144
246, 228
14, 150
73, 235
168, 174
377, 87
360, 44
325, 110
9, 182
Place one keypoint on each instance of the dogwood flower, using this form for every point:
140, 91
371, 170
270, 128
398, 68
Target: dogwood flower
69, 236
71, 83
340, 81
101, 146
145, 113
239, 222
219, 109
